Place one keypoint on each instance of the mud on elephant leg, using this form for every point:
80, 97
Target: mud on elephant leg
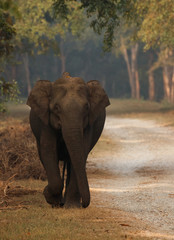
72, 195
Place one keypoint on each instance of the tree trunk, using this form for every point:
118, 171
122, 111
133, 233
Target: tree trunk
13, 72
27, 71
172, 88
126, 58
137, 84
103, 80
56, 67
113, 89
151, 86
166, 81
134, 69
151, 79
62, 58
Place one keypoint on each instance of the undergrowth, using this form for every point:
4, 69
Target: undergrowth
18, 151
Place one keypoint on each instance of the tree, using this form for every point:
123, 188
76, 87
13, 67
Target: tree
74, 26
37, 30
7, 30
128, 47
132, 68
156, 20
104, 15
8, 90
166, 62
154, 17
32, 30
151, 79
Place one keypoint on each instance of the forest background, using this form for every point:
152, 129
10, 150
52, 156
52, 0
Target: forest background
130, 50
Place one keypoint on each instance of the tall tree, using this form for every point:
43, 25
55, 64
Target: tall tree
151, 79
131, 63
156, 20
31, 29
128, 47
165, 60
8, 9
37, 30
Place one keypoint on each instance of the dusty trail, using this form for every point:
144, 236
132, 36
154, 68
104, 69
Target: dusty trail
137, 175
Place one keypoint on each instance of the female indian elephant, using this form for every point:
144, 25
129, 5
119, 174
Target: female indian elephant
67, 118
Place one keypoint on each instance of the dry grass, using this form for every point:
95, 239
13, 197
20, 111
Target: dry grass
18, 151
162, 113
132, 106
26, 215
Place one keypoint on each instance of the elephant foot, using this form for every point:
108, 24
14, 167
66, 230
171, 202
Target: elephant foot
60, 205
73, 201
72, 205
54, 200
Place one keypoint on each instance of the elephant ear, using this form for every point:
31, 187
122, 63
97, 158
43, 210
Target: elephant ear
98, 99
39, 98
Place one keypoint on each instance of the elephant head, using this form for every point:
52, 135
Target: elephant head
71, 105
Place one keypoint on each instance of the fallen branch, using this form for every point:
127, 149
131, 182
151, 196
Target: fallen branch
7, 183
13, 207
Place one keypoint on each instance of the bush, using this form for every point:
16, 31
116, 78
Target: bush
8, 91
18, 151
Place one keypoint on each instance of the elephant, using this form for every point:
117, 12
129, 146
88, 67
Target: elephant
67, 117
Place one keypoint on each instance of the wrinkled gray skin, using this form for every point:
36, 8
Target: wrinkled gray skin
67, 118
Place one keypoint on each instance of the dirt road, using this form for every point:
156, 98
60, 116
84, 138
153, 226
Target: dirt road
136, 176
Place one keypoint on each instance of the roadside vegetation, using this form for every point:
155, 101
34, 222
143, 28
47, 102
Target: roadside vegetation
161, 112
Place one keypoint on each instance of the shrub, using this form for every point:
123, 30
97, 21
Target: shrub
18, 151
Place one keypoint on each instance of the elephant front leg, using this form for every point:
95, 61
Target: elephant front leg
72, 195
48, 155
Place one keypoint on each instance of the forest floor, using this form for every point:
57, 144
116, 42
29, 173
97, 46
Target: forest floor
131, 178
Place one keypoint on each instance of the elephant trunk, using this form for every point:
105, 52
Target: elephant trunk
73, 137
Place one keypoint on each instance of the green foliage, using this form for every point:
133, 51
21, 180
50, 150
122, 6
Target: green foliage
8, 92
8, 9
49, 40
153, 17
105, 16
156, 21
36, 27
61, 9
7, 30
32, 24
